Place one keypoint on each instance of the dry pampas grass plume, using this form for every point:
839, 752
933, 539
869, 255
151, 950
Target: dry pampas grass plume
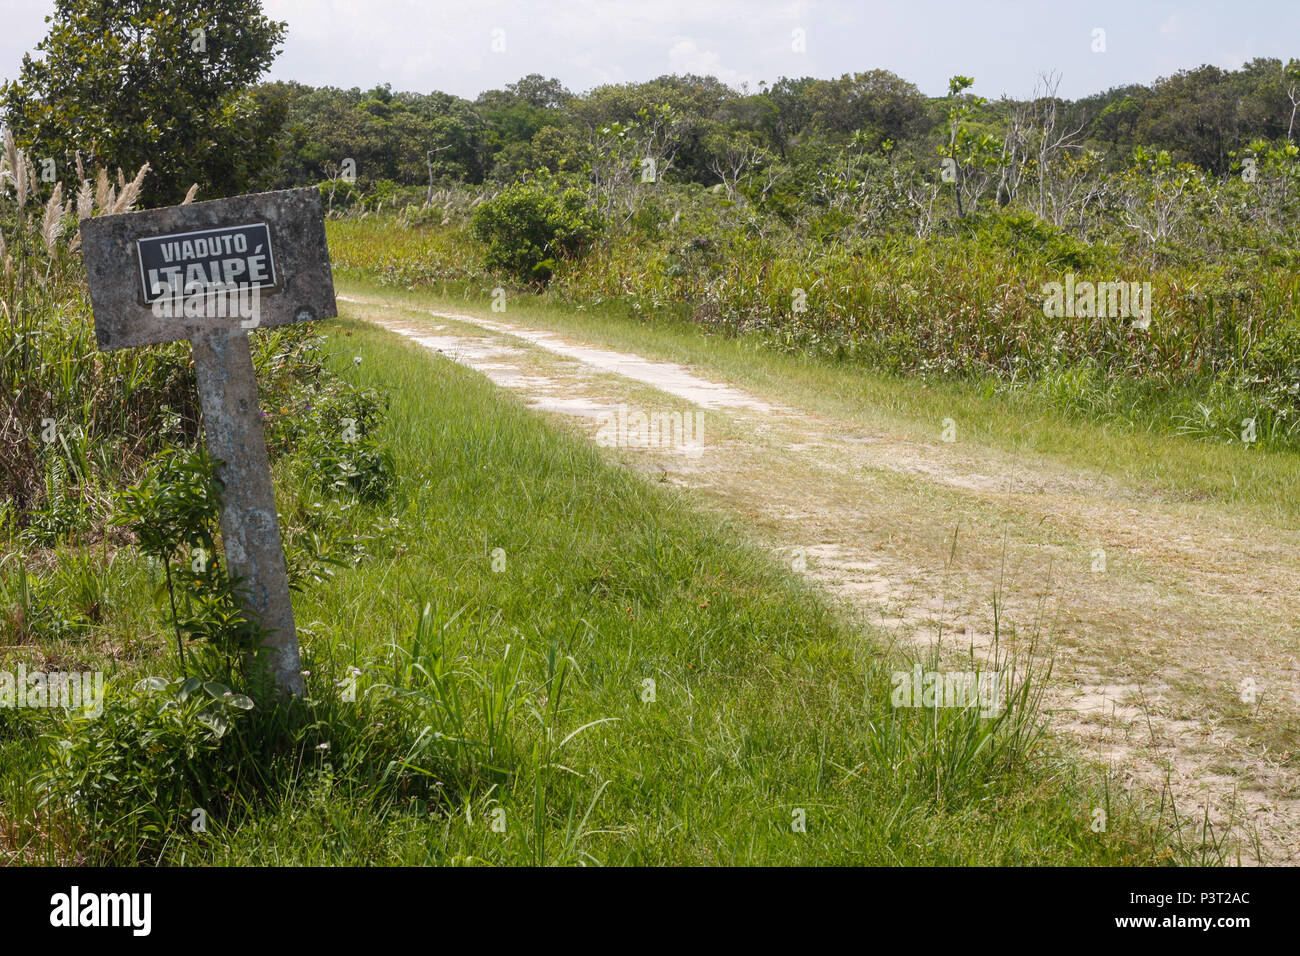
130, 191
52, 221
85, 200
103, 192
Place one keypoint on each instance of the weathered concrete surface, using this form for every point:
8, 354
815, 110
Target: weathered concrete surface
250, 528
305, 289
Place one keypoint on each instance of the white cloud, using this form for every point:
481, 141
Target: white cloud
685, 56
1232, 61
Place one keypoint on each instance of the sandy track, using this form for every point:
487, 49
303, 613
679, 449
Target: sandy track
1176, 663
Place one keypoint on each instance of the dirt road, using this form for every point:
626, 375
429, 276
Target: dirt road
1172, 627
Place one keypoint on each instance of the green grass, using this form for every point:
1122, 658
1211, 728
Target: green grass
514, 697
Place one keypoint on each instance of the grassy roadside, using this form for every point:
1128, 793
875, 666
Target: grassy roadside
503, 713
1151, 460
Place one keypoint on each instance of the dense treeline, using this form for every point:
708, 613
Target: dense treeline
699, 130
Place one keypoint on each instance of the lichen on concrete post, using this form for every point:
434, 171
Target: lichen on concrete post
250, 527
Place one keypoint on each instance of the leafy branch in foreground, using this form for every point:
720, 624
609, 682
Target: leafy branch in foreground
173, 511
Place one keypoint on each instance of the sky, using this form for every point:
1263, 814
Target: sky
467, 47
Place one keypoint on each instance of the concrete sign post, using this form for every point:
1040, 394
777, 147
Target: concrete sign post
210, 272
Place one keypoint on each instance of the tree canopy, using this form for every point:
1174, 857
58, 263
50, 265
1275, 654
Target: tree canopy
164, 82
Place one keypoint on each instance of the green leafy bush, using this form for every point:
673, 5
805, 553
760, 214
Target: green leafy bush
528, 228
326, 425
1026, 236
338, 444
173, 511
136, 772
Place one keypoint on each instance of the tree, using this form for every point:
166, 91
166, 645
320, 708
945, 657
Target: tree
164, 82
540, 93
792, 99
972, 154
1196, 115
1292, 94
732, 154
878, 102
